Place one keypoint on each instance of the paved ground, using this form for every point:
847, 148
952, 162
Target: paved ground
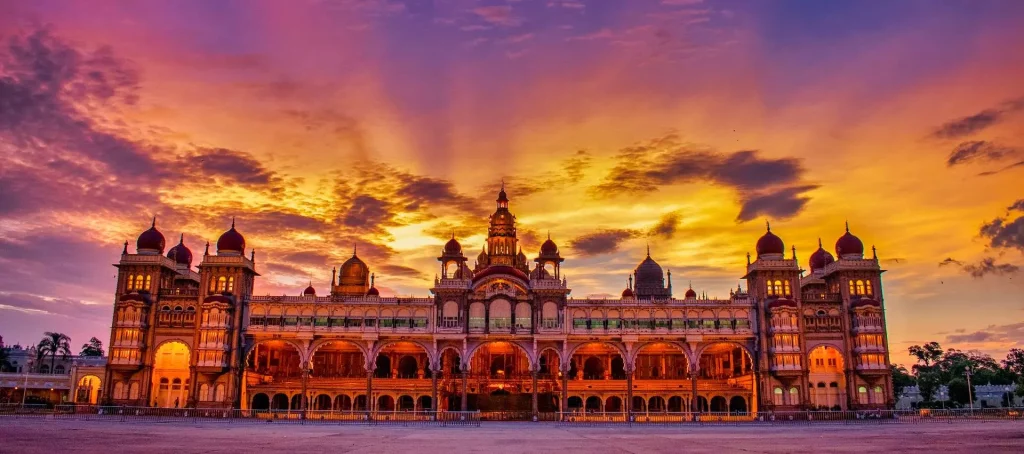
48, 436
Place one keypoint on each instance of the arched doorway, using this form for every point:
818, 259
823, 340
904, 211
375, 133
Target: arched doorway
593, 404
88, 390
406, 403
405, 360
423, 403
385, 403
639, 404
593, 369
296, 403
170, 385
719, 405
343, 403
260, 402
613, 404
661, 361
828, 382
383, 369
323, 402
407, 367
575, 403
737, 405
280, 402
675, 404
500, 366
337, 359
656, 405
597, 361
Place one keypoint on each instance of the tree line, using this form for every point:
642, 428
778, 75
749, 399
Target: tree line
52, 346
951, 367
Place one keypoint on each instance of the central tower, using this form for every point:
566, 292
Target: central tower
502, 244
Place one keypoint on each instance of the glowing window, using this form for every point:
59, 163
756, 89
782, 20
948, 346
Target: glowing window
222, 284
867, 286
147, 282
231, 284
860, 287
853, 289
785, 285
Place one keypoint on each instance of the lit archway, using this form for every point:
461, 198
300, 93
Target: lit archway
170, 385
606, 362
826, 377
88, 389
338, 359
501, 374
405, 360
725, 367
661, 361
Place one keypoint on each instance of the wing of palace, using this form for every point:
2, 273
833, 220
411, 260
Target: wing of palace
499, 334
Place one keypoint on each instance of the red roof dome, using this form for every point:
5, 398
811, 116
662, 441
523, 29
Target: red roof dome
180, 253
820, 258
549, 247
627, 293
231, 241
848, 244
151, 240
452, 247
373, 292
691, 294
309, 291
782, 302
769, 243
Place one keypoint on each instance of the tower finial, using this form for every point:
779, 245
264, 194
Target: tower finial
767, 225
549, 234
125, 251
648, 249
181, 240
631, 282
819, 243
874, 252
453, 234
794, 251
232, 222
153, 225
373, 279
353, 249
847, 226
207, 252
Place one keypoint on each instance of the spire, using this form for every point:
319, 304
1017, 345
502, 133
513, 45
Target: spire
670, 280
794, 252
748, 258
373, 277
874, 252
181, 240
847, 226
453, 234
153, 225
232, 222
252, 257
819, 243
631, 282
353, 249
125, 251
691, 285
648, 249
767, 225
334, 272
207, 252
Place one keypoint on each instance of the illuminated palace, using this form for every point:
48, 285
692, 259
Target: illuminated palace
498, 334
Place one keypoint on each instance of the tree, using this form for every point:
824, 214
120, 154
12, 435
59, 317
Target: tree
5, 364
927, 354
93, 348
54, 344
1015, 361
928, 381
959, 392
901, 379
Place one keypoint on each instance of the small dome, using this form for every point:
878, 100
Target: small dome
770, 244
691, 294
452, 247
820, 258
549, 247
231, 241
849, 246
627, 293
373, 292
151, 241
309, 291
180, 253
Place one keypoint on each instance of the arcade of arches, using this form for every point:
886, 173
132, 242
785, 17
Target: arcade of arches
170, 386
499, 378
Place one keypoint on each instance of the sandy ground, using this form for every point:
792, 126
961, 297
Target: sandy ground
48, 436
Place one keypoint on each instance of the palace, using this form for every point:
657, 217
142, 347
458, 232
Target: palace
500, 334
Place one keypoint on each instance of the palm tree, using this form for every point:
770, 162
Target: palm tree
54, 344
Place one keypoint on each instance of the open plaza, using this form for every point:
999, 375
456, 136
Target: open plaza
44, 434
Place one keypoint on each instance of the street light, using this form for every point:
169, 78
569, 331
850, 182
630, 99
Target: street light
970, 395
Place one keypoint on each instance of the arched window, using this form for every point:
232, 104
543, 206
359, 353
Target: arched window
860, 287
222, 284
867, 288
777, 396
58, 369
853, 289
778, 288
138, 282
231, 284
130, 284
785, 287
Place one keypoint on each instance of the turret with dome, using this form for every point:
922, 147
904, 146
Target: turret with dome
650, 280
353, 277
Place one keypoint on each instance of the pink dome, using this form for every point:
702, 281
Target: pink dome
769, 243
820, 258
690, 293
627, 293
373, 292
231, 241
452, 247
151, 240
180, 253
848, 244
309, 291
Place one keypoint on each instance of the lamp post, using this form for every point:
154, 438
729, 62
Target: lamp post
970, 394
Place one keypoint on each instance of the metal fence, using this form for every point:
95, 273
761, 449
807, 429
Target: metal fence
474, 418
235, 416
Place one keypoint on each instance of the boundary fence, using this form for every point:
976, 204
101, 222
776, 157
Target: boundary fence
475, 418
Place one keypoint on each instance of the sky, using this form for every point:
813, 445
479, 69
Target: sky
388, 124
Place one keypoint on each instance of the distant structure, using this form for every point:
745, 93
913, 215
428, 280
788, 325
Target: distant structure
501, 333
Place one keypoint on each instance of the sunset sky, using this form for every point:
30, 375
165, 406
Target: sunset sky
684, 124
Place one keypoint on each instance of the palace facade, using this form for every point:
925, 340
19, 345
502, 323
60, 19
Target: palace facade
499, 334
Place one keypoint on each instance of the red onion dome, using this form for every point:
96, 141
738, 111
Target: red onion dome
627, 293
151, 241
373, 292
849, 246
691, 294
452, 247
231, 241
180, 253
820, 258
309, 291
549, 247
770, 244
782, 302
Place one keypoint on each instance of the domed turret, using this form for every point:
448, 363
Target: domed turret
627, 293
691, 293
180, 253
353, 271
820, 258
650, 280
231, 242
549, 247
452, 247
309, 291
770, 246
373, 288
150, 242
849, 246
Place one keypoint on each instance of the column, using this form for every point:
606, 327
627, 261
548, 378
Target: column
565, 391
369, 392
302, 400
629, 393
433, 393
693, 386
465, 389
534, 396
